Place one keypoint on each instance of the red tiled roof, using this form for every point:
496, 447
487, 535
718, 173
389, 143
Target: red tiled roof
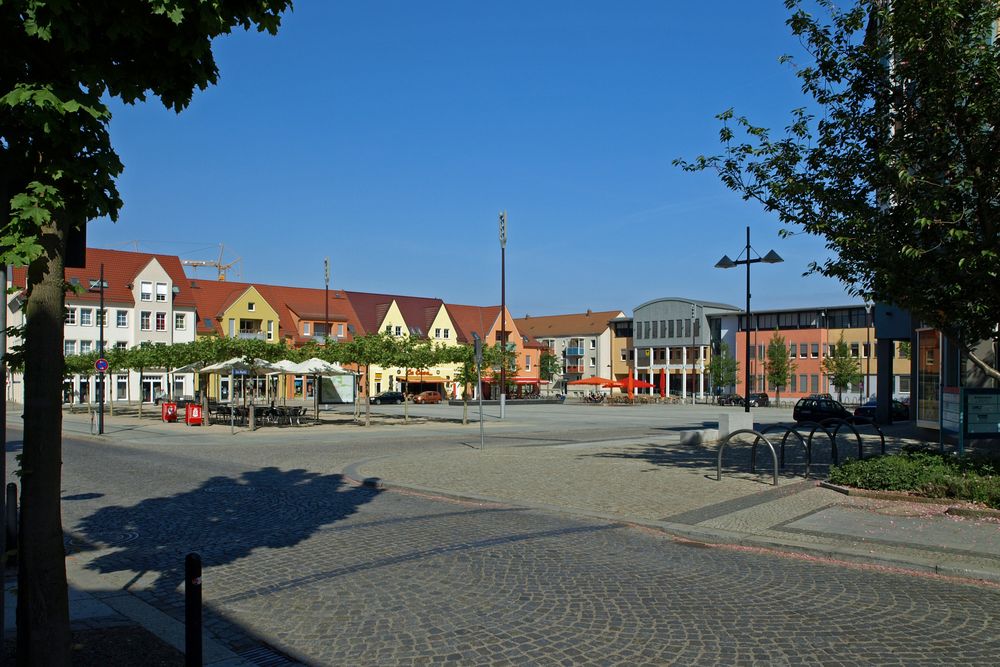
212, 297
480, 319
120, 270
371, 309
576, 324
307, 303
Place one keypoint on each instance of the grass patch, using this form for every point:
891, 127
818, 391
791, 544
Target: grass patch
973, 477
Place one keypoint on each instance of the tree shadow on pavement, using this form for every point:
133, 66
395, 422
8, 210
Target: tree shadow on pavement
223, 520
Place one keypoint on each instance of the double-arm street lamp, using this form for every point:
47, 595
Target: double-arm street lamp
725, 263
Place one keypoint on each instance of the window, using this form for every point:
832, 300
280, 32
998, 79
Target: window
814, 384
670, 329
270, 329
161, 321
305, 329
854, 350
180, 322
161, 292
146, 291
437, 333
102, 318
86, 317
121, 387
904, 384
388, 328
663, 328
447, 333
527, 362
69, 347
340, 331
144, 321
866, 350
232, 327
593, 341
791, 352
251, 306
645, 329
802, 383
399, 331
792, 385
121, 345
697, 328
624, 354
803, 347
814, 353
593, 362
71, 316
687, 328
86, 346
656, 329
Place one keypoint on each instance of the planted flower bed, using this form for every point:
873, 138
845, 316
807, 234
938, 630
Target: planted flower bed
973, 477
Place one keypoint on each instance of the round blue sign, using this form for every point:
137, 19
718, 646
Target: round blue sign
101, 365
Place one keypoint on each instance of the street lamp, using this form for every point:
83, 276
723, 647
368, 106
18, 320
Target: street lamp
868, 354
503, 313
99, 285
725, 263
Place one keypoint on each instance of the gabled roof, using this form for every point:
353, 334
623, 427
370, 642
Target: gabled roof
311, 304
417, 311
121, 269
589, 323
213, 297
468, 319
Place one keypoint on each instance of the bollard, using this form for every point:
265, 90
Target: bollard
192, 611
10, 524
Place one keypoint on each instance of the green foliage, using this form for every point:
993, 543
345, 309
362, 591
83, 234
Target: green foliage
933, 474
548, 365
894, 161
723, 368
778, 366
842, 368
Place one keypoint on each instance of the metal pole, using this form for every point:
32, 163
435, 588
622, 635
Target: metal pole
746, 388
868, 334
479, 392
3, 431
503, 314
100, 354
326, 300
192, 611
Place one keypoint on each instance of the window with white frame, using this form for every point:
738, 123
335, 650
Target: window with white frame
251, 306
102, 318
161, 292
86, 317
527, 362
593, 343
437, 332
305, 329
69, 347
340, 331
447, 333
399, 331
145, 320
593, 362
161, 321
146, 291
180, 321
71, 316
121, 345
388, 328
121, 318
86, 346
270, 329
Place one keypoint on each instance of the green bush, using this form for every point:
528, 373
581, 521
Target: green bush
927, 473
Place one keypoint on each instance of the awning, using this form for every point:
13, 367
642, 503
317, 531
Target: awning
432, 379
521, 380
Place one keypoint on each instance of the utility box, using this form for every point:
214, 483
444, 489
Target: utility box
168, 411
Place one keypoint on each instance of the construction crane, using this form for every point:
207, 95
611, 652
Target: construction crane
220, 267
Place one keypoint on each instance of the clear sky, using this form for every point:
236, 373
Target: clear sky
388, 135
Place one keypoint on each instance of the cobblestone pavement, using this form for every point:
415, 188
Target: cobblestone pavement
336, 574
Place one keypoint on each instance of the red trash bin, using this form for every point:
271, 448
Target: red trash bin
168, 412
192, 414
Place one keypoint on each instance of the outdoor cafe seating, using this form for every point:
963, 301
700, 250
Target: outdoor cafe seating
264, 415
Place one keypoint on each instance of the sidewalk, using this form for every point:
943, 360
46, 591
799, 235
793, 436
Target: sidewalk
659, 483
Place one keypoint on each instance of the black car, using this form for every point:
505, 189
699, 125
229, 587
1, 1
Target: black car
900, 410
759, 401
730, 399
818, 409
393, 397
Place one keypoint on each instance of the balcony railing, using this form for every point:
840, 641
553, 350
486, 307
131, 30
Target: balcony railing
574, 351
252, 335
574, 369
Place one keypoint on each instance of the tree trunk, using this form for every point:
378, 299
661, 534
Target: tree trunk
42, 602
368, 403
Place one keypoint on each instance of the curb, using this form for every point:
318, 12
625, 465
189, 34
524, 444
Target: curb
955, 510
937, 565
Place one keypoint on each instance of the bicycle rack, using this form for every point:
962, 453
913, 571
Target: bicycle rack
760, 436
865, 421
833, 438
789, 430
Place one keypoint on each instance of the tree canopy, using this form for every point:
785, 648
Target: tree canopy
893, 161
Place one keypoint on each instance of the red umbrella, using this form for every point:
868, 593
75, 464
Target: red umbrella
663, 383
595, 381
642, 384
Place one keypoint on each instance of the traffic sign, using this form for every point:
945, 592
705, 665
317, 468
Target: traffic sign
101, 365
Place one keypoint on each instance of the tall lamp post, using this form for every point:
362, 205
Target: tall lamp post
868, 354
503, 314
101, 284
725, 263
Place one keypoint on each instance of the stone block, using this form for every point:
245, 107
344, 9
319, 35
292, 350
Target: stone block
734, 421
699, 436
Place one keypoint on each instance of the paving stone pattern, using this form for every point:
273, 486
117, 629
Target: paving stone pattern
343, 575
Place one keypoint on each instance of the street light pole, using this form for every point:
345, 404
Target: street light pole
503, 314
725, 263
868, 356
100, 354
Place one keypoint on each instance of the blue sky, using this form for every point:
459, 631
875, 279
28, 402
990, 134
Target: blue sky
388, 135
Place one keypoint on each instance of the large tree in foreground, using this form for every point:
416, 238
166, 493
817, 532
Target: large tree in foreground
894, 161
61, 60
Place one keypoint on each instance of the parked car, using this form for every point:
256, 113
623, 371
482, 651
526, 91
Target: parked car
900, 410
427, 397
759, 401
392, 397
818, 409
730, 399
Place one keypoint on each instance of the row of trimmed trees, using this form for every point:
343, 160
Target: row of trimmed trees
842, 368
363, 352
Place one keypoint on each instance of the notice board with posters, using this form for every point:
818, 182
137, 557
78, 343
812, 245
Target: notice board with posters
336, 389
979, 414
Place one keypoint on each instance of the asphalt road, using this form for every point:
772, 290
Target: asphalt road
336, 574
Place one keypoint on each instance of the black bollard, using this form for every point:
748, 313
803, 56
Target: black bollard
192, 610
10, 524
